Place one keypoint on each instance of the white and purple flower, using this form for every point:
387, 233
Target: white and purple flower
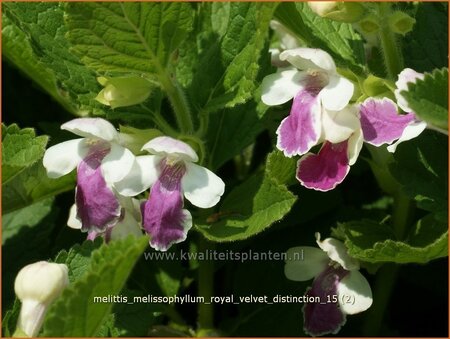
100, 161
321, 114
316, 88
337, 282
171, 172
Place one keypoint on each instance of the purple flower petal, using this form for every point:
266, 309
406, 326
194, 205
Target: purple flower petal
163, 215
97, 206
301, 129
380, 122
325, 170
324, 317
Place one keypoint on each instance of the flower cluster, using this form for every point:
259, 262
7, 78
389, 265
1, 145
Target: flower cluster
337, 283
109, 175
321, 114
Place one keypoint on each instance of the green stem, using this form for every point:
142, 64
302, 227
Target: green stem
393, 59
161, 123
205, 288
164, 125
382, 292
387, 275
204, 122
179, 103
401, 216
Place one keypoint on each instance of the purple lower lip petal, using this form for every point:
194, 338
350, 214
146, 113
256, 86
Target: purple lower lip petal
325, 316
325, 170
97, 206
299, 131
163, 215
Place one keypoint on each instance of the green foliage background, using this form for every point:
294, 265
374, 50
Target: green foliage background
217, 54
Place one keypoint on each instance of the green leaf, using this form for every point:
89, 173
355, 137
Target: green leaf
29, 216
231, 40
249, 209
281, 168
131, 37
17, 48
75, 314
20, 149
426, 47
134, 319
232, 130
337, 38
78, 258
421, 168
9, 321
428, 98
46, 57
32, 185
373, 242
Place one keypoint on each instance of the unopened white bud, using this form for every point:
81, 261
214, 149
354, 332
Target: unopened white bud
37, 286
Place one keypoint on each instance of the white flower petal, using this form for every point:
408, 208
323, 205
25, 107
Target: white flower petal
62, 158
171, 147
281, 87
92, 128
142, 175
411, 131
337, 252
201, 186
309, 59
338, 126
354, 293
337, 94
355, 144
73, 221
304, 263
406, 76
117, 163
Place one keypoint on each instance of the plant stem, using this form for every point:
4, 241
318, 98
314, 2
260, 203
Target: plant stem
393, 58
204, 122
401, 214
382, 292
179, 103
387, 275
205, 288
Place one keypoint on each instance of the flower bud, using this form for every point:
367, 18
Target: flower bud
369, 25
37, 285
123, 91
401, 23
338, 10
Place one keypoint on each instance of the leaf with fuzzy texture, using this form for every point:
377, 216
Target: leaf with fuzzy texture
133, 37
46, 55
370, 241
21, 148
337, 38
231, 43
428, 98
75, 313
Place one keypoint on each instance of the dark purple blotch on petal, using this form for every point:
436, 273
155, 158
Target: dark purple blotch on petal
325, 170
162, 214
97, 206
324, 317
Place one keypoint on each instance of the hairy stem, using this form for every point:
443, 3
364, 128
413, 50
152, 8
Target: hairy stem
179, 103
392, 56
